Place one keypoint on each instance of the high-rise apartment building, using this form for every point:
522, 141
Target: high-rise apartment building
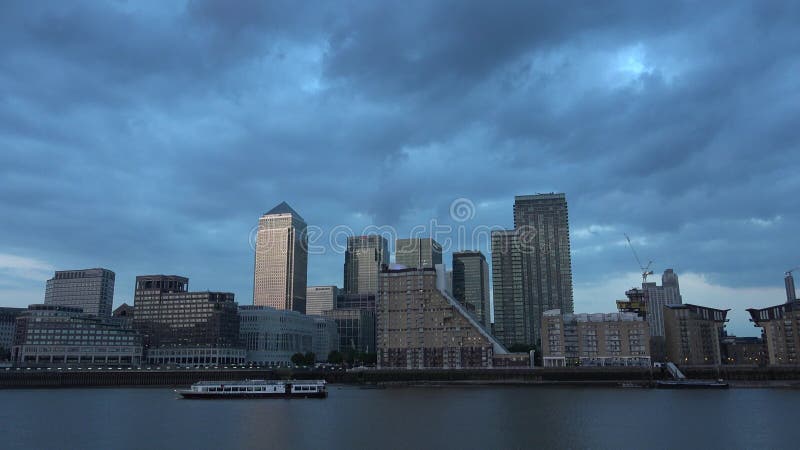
512, 317
616, 339
656, 297
470, 283
281, 260
542, 225
692, 334
781, 331
363, 259
92, 290
419, 325
320, 299
418, 253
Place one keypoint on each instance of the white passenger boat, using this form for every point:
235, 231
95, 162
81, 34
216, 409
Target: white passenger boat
256, 389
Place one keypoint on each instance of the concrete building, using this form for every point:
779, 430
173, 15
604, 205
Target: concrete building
512, 314
420, 326
167, 314
470, 283
586, 340
692, 334
656, 297
271, 336
196, 356
744, 351
8, 324
92, 290
52, 335
781, 330
363, 259
281, 260
320, 299
418, 253
542, 224
124, 314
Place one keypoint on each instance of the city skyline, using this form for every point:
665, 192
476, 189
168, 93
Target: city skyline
147, 138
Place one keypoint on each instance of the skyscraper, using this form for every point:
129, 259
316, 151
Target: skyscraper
471, 283
512, 318
89, 289
320, 299
362, 263
542, 225
656, 297
418, 253
281, 261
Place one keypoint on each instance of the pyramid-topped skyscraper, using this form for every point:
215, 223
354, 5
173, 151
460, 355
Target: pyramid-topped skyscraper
281, 260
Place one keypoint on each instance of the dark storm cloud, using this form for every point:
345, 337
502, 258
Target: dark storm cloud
150, 137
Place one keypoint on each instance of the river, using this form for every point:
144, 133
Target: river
408, 417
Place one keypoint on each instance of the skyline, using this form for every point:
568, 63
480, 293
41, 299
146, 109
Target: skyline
149, 138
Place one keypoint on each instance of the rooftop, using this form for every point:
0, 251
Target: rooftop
284, 208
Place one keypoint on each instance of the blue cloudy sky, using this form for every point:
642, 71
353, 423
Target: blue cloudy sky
148, 137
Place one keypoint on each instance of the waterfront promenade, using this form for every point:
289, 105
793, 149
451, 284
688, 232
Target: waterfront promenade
110, 377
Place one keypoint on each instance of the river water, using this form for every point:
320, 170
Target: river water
414, 417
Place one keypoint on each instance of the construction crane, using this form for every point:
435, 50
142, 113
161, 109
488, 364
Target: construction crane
645, 269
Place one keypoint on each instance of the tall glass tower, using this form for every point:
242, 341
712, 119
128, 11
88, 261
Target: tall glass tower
418, 253
362, 263
281, 261
542, 225
470, 283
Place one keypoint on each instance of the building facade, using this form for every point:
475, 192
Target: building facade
470, 283
320, 299
542, 225
363, 259
8, 324
92, 290
512, 314
271, 336
355, 328
669, 293
781, 330
692, 334
590, 340
52, 335
418, 253
420, 326
744, 351
167, 314
281, 260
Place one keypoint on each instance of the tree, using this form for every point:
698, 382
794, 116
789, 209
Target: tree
335, 357
298, 359
309, 359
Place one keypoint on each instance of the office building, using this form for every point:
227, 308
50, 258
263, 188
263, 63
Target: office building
124, 314
320, 299
92, 290
512, 316
363, 259
167, 314
418, 253
358, 301
692, 334
355, 327
8, 323
669, 293
419, 325
52, 335
281, 260
271, 336
781, 330
542, 224
587, 340
470, 283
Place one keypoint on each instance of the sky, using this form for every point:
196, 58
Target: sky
148, 137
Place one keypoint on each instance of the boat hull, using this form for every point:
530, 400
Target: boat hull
691, 385
244, 395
